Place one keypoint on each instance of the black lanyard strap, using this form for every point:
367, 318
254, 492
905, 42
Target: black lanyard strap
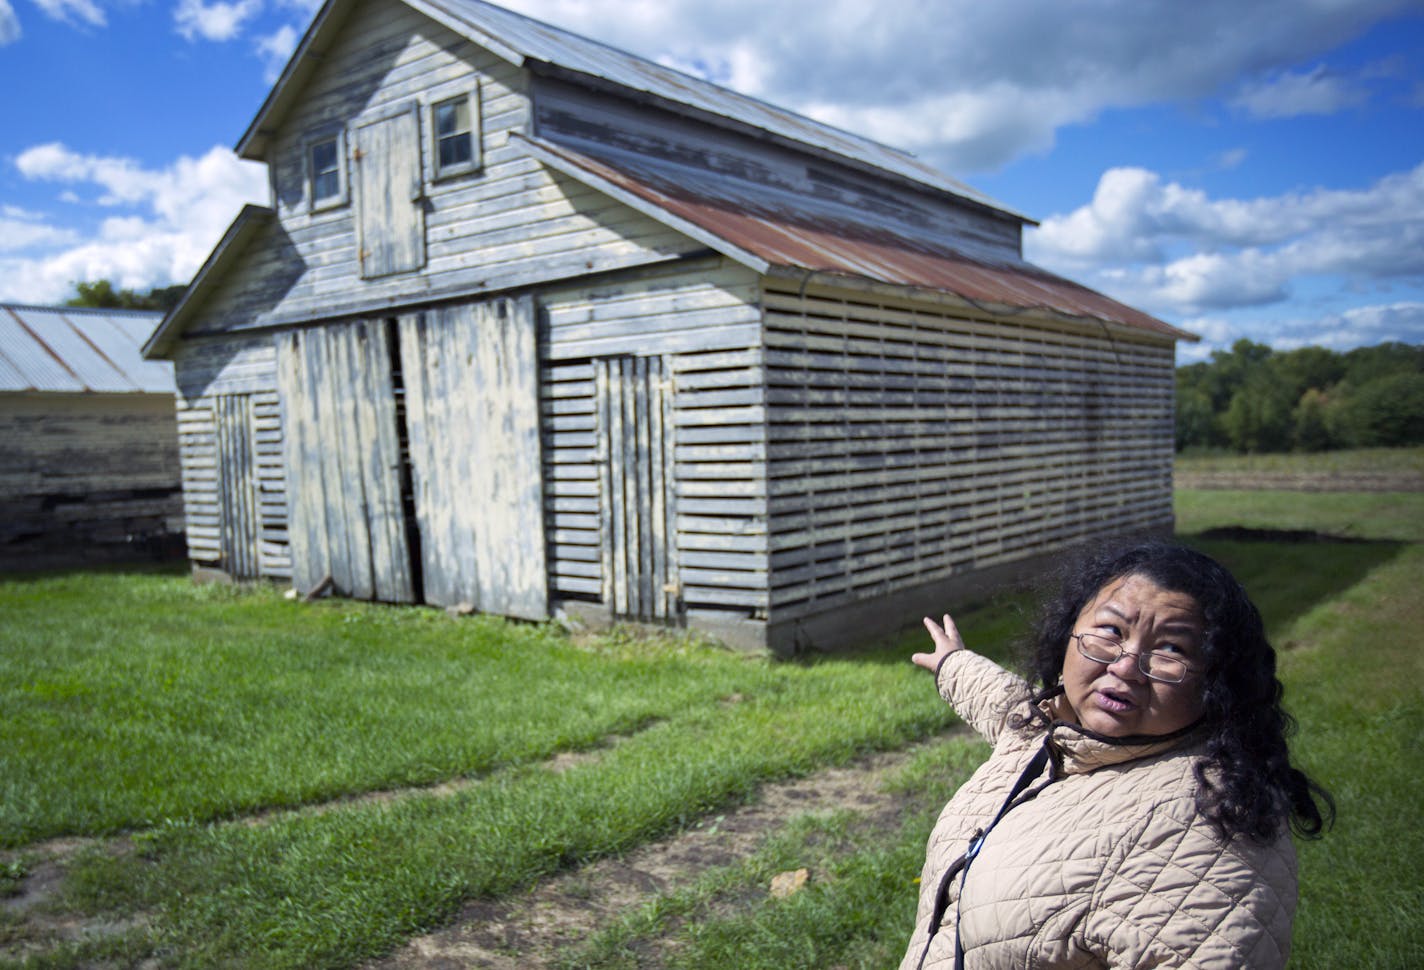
960, 866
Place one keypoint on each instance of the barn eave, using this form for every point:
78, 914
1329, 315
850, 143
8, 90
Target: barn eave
251, 220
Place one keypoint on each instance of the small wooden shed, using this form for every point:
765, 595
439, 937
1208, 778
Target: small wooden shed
533, 324
88, 441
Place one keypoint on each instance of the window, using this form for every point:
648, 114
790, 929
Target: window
456, 131
326, 175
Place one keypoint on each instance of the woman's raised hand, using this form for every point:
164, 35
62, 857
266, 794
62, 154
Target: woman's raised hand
946, 640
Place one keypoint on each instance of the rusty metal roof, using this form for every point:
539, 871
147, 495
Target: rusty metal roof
778, 231
79, 350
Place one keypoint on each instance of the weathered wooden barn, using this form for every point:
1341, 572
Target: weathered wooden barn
534, 324
88, 442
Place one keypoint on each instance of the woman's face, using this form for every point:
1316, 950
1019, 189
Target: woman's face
1117, 699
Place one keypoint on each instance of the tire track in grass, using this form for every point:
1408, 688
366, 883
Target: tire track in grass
521, 931
529, 931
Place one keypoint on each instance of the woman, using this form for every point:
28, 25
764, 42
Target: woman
1136, 810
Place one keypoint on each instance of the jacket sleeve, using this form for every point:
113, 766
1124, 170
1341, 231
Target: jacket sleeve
1174, 894
981, 692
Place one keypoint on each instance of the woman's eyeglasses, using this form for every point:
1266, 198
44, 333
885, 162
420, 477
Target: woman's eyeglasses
1158, 666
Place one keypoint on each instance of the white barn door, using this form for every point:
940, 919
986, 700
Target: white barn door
634, 413
471, 378
343, 457
390, 205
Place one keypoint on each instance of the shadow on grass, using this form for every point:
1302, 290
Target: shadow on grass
1290, 572
1287, 573
147, 567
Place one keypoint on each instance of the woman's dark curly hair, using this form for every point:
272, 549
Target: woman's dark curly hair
1249, 786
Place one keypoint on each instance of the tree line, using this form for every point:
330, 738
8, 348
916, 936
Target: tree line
101, 294
1255, 399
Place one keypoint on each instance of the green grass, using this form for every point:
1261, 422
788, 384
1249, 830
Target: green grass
855, 911
139, 702
201, 702
1389, 516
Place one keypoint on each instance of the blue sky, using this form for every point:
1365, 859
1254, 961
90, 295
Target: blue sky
1238, 169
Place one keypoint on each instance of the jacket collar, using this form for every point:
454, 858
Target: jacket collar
1077, 750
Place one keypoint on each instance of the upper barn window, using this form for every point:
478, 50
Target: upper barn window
326, 175
455, 134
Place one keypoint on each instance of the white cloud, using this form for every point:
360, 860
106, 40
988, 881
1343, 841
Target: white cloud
74, 11
22, 230
213, 21
1176, 250
971, 85
275, 50
9, 24
1286, 95
165, 221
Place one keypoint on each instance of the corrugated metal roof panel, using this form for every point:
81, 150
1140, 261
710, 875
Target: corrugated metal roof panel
77, 349
803, 233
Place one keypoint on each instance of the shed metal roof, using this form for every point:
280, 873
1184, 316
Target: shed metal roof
773, 230
78, 350
538, 46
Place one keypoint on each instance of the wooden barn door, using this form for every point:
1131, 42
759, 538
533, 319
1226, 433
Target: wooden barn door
471, 378
633, 401
343, 455
239, 521
390, 205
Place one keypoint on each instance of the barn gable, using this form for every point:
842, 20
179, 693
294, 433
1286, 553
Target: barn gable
532, 324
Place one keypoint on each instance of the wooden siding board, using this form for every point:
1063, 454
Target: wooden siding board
475, 450
908, 444
698, 320
343, 458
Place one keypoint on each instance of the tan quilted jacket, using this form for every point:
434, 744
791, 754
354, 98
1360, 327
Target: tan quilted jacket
1111, 864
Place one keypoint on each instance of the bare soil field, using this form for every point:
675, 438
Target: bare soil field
1321, 481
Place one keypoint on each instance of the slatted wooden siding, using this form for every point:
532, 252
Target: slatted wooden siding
702, 319
472, 397
343, 460
908, 444
211, 373
240, 516
634, 421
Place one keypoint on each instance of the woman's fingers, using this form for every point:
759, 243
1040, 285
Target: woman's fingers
946, 640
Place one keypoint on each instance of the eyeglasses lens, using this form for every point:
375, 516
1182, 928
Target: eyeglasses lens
1154, 665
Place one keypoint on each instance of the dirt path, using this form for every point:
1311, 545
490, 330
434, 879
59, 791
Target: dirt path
528, 931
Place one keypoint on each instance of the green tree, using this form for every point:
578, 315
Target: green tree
101, 294
1385, 412
1197, 426
1366, 364
1308, 367
1230, 370
1311, 432
1259, 416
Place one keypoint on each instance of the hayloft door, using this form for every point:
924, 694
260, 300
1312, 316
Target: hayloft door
343, 456
633, 404
238, 507
390, 203
471, 380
